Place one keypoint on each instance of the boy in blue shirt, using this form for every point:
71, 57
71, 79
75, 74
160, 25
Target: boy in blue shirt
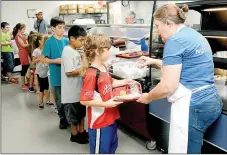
51, 54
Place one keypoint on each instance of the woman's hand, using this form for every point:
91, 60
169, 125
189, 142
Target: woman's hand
144, 61
144, 99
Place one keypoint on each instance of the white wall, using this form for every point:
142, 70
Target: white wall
143, 9
15, 12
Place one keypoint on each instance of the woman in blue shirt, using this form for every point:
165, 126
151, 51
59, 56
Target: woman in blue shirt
187, 80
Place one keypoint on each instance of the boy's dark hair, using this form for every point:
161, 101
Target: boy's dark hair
56, 21
76, 31
3, 24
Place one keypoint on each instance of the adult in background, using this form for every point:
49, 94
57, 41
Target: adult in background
130, 18
40, 24
187, 80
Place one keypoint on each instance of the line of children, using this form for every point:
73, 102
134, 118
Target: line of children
80, 80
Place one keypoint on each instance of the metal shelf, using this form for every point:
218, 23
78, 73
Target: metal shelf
220, 62
213, 33
200, 3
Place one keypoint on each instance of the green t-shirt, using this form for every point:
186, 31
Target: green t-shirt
6, 38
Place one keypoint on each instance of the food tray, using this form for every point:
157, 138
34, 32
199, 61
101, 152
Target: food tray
132, 55
129, 92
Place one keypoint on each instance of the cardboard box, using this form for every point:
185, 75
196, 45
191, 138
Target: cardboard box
81, 10
72, 11
63, 11
97, 10
63, 7
90, 5
81, 6
72, 6
90, 10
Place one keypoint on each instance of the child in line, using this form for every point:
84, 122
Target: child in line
98, 96
51, 55
71, 84
32, 37
22, 44
7, 52
41, 71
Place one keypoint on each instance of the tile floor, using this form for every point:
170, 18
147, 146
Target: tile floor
26, 129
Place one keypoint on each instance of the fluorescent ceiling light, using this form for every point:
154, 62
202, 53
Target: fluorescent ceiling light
218, 37
216, 9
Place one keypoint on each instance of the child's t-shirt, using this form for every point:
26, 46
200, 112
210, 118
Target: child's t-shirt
53, 49
41, 68
98, 117
70, 85
5, 38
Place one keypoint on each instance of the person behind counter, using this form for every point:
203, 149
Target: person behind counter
187, 80
131, 19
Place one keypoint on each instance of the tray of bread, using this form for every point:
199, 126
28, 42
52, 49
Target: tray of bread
132, 55
127, 93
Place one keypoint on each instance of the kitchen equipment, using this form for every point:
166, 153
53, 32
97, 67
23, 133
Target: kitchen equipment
101, 21
140, 21
84, 21
221, 54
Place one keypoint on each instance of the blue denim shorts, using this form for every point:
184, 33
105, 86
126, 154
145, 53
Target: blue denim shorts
8, 59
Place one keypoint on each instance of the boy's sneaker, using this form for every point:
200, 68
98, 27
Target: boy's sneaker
79, 139
63, 124
31, 89
85, 134
55, 110
41, 106
49, 103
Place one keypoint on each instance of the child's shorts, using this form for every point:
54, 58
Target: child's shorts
74, 112
43, 83
103, 140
